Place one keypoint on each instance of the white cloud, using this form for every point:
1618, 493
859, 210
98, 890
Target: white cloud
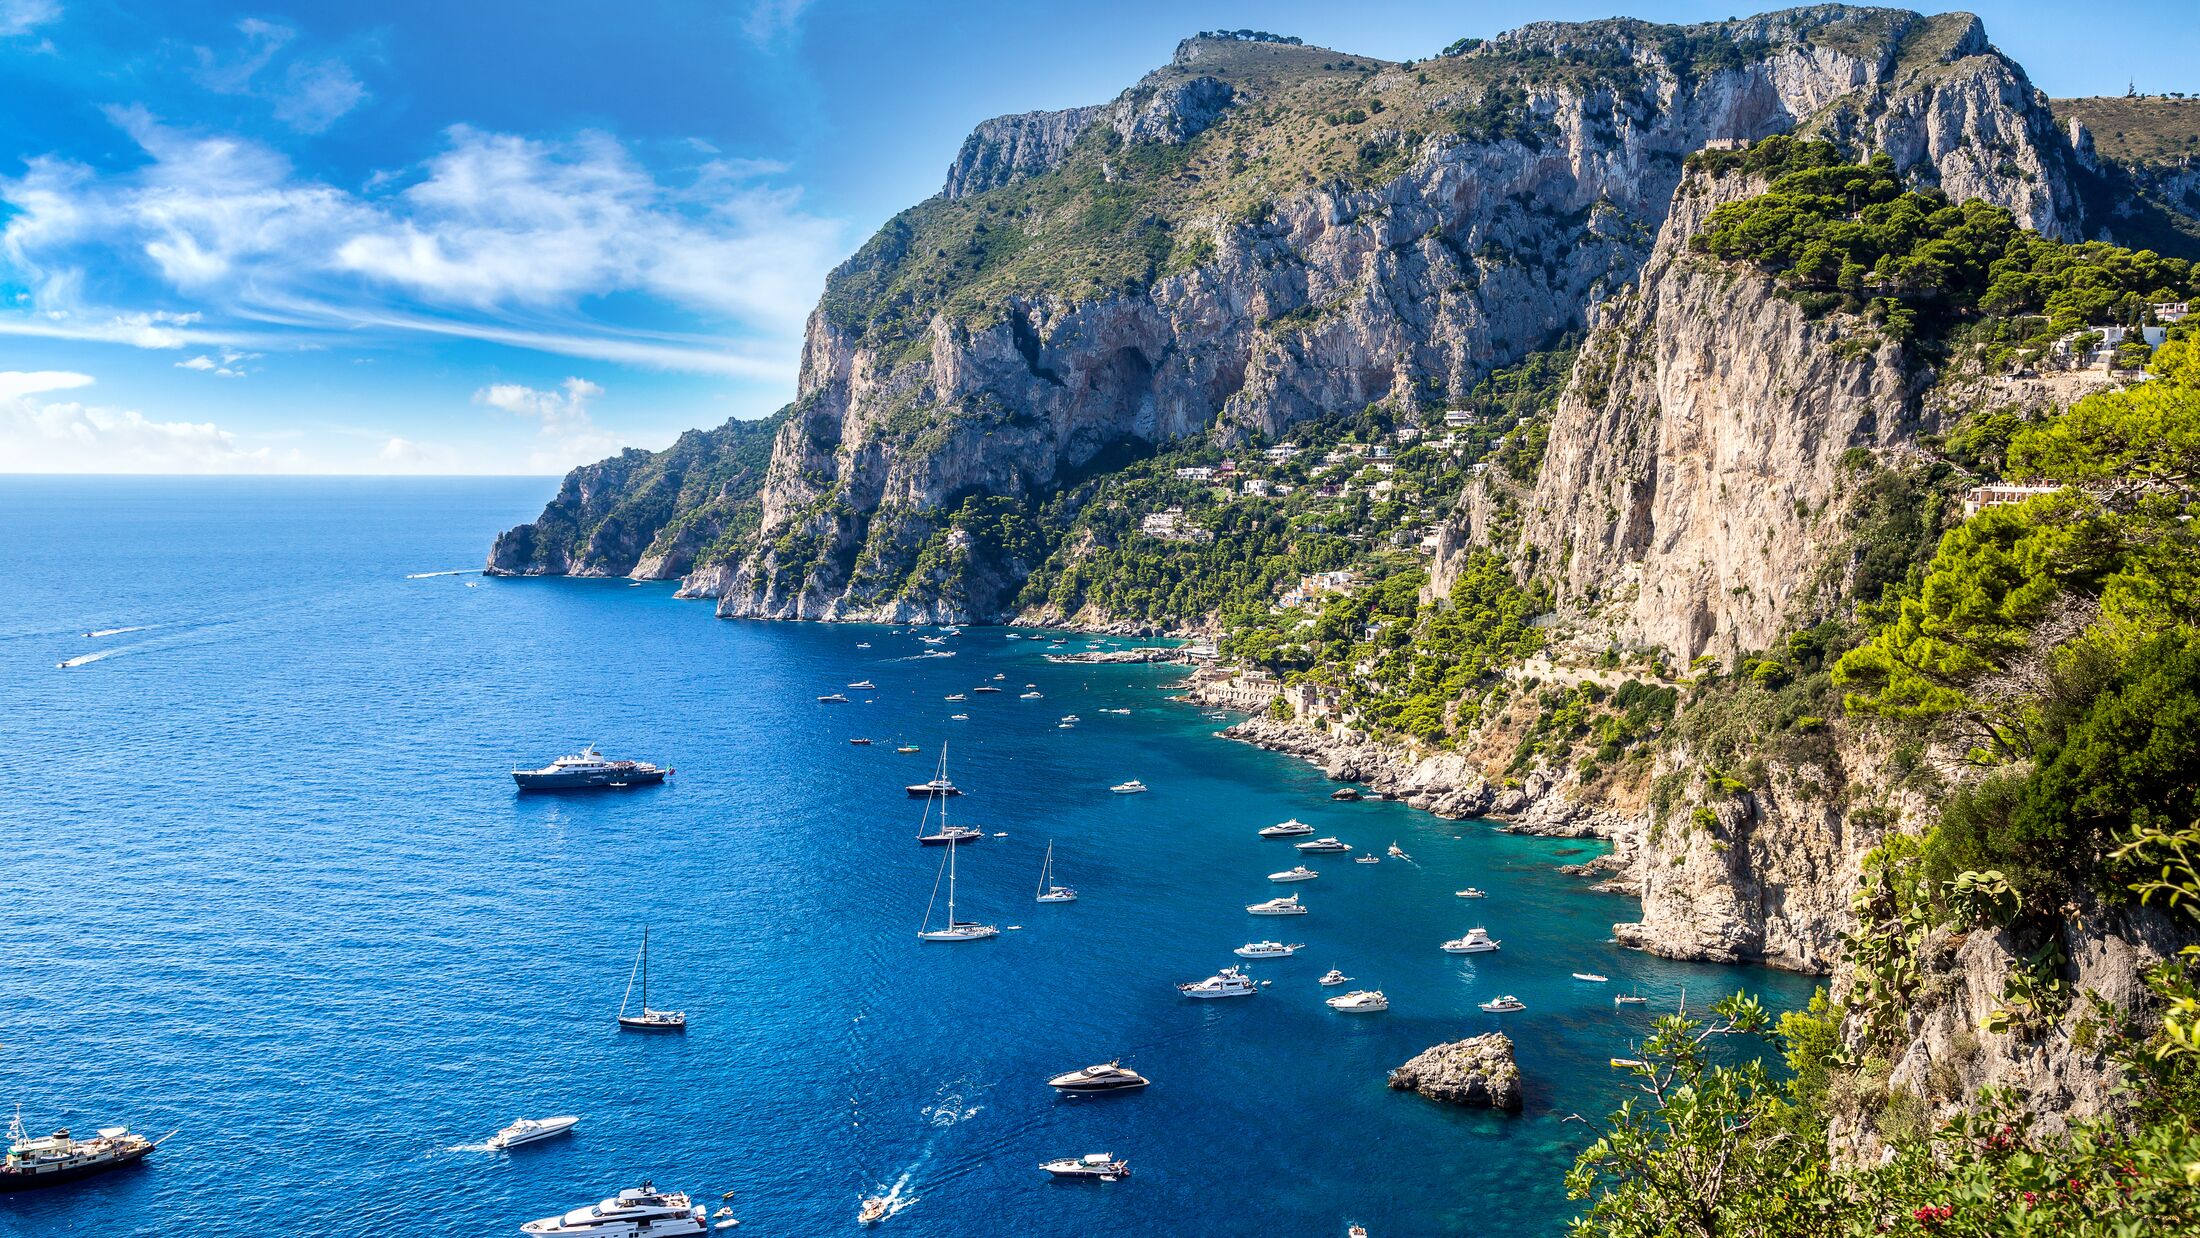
228, 363
317, 94
771, 21
309, 94
569, 436
495, 237
44, 436
23, 16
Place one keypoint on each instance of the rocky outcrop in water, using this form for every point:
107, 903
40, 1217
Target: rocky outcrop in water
1478, 1072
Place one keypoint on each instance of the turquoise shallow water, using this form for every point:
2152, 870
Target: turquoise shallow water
267, 882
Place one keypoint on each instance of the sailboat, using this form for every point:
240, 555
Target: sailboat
1048, 891
648, 1020
948, 835
956, 930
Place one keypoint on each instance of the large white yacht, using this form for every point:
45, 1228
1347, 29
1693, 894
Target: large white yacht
1229, 982
1099, 1166
1320, 846
1299, 873
528, 1130
587, 770
1268, 950
1294, 828
1095, 1080
1360, 1001
633, 1213
1277, 907
1477, 941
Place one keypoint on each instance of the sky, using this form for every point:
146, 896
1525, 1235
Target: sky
486, 236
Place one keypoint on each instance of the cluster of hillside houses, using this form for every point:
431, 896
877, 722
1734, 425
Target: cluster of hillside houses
2095, 347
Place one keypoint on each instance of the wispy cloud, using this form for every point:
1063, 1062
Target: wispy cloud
66, 436
228, 363
495, 237
770, 23
309, 93
570, 436
19, 17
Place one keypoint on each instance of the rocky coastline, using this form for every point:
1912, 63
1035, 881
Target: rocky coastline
1478, 1072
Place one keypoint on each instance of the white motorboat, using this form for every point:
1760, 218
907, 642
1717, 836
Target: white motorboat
957, 696
1103, 1079
1095, 1166
1368, 859
648, 1020
1287, 906
1028, 696
1048, 891
908, 748
1071, 718
954, 930
1477, 941
1470, 892
1333, 977
1360, 1001
863, 644
1504, 1005
1267, 950
833, 698
1629, 999
528, 1130
1356, 1231
1293, 828
633, 1213
1320, 846
1229, 982
958, 717
1133, 787
864, 685
875, 1209
1592, 978
1300, 873
1397, 854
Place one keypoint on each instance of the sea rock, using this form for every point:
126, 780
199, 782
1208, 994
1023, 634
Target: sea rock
1477, 1071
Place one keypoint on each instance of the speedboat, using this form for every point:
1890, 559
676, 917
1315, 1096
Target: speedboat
985, 687
1293, 828
1592, 977
1107, 1077
632, 1213
1470, 892
957, 696
1477, 941
908, 748
1396, 854
1356, 1231
1288, 906
1629, 999
864, 685
874, 1210
1367, 859
1321, 845
958, 717
528, 1130
1626, 1063
1028, 696
1071, 718
1504, 1005
1267, 950
1333, 977
1065, 726
860, 742
1133, 787
833, 698
1360, 1001
863, 644
1229, 982
1098, 1166
1301, 873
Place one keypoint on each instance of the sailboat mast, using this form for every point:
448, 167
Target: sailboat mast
950, 877
645, 969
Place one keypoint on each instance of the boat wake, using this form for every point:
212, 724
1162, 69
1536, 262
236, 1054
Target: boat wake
949, 1108
469, 1147
86, 659
894, 1195
95, 633
456, 571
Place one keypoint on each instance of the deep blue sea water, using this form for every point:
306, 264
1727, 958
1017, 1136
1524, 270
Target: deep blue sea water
266, 881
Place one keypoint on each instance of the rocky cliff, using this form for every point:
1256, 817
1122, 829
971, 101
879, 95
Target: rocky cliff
1259, 233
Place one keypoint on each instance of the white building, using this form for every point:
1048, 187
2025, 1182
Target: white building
1979, 498
1458, 419
1197, 472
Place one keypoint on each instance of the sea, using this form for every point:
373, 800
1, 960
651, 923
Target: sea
267, 889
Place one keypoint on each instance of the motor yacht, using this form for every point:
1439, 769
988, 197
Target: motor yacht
1333, 977
1133, 787
1028, 696
1470, 892
1629, 999
1229, 982
936, 788
1360, 1001
1095, 1166
908, 748
1319, 846
1293, 828
985, 687
633, 1213
958, 717
957, 696
528, 1130
1105, 1078
60, 1157
1071, 718
860, 742
588, 770
1267, 950
1287, 906
833, 698
864, 685
1367, 859
1504, 1005
1477, 941
863, 644
1300, 873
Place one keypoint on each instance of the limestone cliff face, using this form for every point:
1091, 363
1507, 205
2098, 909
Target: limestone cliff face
1009, 148
1476, 249
1693, 482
